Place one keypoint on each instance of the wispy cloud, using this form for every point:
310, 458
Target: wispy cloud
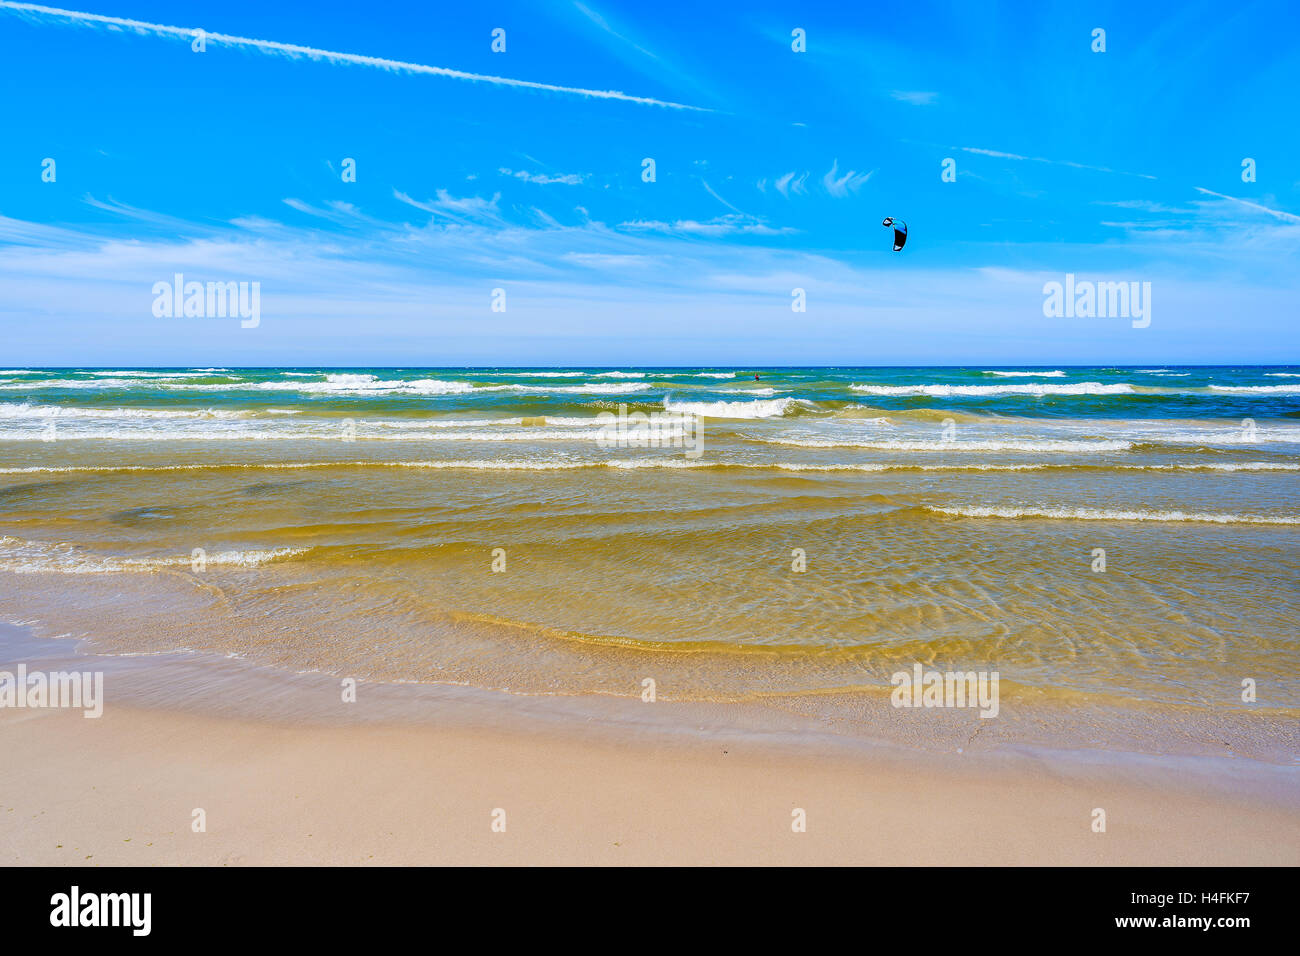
850, 182
992, 152
134, 212
731, 225
713, 192
1051, 162
462, 210
1285, 216
294, 51
601, 22
915, 97
795, 183
544, 179
792, 183
1145, 205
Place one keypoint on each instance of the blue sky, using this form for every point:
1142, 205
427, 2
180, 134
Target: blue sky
774, 169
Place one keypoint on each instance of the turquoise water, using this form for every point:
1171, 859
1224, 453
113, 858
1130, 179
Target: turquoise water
1059, 392
349, 518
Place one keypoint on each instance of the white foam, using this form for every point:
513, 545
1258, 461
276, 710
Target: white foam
1226, 466
536, 374
320, 433
1266, 389
694, 375
590, 388
760, 408
959, 446
119, 373
43, 412
1105, 514
35, 557
570, 464
943, 391
1055, 373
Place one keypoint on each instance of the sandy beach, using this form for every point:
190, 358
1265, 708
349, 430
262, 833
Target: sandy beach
308, 789
652, 653
123, 791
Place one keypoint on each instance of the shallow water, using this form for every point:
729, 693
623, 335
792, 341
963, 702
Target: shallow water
347, 521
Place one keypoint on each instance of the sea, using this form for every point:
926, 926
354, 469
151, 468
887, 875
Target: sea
1107, 540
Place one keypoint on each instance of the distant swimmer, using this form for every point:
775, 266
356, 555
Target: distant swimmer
756, 376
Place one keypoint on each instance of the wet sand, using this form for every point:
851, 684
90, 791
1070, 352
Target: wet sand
282, 782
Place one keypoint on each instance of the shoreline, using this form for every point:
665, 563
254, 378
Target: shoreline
286, 778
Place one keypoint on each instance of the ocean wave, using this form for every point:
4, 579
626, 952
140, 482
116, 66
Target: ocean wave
1209, 438
1106, 514
81, 383
1264, 389
542, 374
345, 384
760, 408
1061, 445
353, 384
590, 388
320, 434
569, 464
945, 391
129, 373
718, 375
35, 557
24, 410
536, 421
1055, 373
1223, 466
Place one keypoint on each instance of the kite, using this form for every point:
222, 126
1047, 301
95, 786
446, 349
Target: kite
900, 231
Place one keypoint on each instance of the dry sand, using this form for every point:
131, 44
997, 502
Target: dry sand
122, 789
411, 774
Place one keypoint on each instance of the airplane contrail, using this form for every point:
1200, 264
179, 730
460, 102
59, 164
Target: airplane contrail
1253, 205
293, 51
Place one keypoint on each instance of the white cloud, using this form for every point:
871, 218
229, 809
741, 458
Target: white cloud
790, 184
915, 97
712, 192
850, 182
1051, 162
544, 179
730, 225
460, 210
